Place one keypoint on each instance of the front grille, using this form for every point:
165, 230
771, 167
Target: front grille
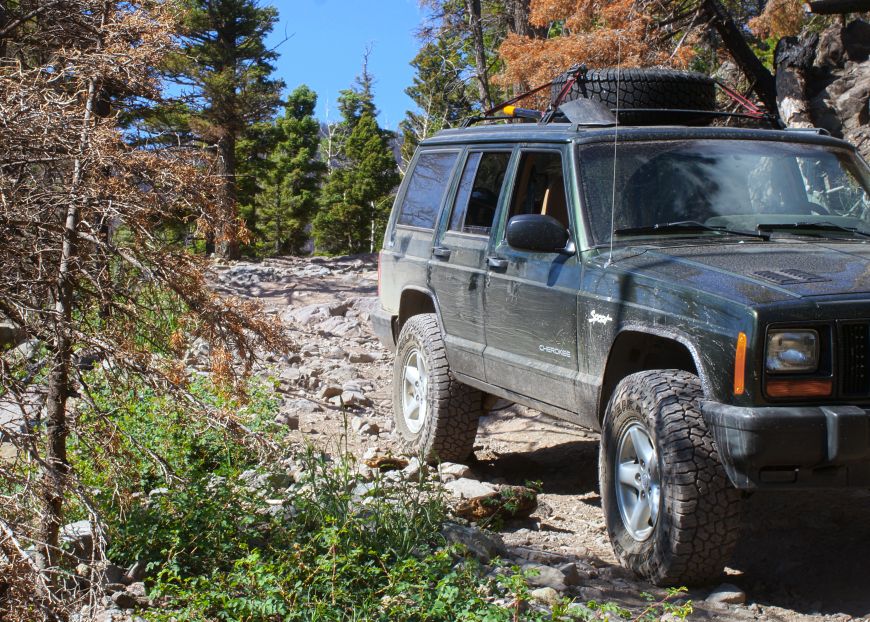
854, 347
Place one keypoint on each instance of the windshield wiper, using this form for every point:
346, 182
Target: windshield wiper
687, 226
807, 228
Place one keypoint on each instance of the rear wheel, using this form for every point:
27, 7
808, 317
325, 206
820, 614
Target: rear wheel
435, 415
671, 513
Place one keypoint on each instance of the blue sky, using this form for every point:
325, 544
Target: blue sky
326, 42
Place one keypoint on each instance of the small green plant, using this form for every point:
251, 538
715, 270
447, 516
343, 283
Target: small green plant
516, 584
227, 536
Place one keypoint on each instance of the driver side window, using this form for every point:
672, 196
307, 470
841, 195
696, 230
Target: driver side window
540, 187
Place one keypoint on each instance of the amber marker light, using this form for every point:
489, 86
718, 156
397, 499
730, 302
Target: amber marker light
740, 365
800, 388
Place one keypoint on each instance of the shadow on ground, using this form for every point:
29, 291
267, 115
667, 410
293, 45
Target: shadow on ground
807, 551
567, 469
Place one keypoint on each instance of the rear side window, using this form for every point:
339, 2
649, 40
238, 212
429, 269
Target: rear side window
478, 194
426, 188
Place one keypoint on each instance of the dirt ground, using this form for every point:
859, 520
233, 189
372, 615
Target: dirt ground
802, 555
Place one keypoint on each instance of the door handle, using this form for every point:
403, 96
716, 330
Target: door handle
497, 263
441, 253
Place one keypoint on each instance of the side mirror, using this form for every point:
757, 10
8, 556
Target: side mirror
538, 233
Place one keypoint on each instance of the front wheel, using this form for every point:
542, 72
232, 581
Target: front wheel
435, 415
671, 513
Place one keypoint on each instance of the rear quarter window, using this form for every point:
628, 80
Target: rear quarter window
426, 189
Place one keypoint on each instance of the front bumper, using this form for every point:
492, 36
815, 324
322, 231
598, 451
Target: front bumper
792, 447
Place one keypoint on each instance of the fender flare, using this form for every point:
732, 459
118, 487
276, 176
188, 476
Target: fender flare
430, 295
663, 333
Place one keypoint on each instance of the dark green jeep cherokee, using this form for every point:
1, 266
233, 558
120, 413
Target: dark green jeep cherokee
700, 295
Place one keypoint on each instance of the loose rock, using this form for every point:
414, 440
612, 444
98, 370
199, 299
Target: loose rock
465, 488
483, 546
727, 594
544, 576
546, 595
450, 471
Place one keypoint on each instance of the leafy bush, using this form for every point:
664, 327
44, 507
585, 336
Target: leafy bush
227, 535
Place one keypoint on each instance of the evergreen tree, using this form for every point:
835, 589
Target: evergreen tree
254, 164
288, 199
225, 67
439, 90
355, 202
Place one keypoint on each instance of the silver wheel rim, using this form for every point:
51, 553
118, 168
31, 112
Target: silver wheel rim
637, 482
415, 390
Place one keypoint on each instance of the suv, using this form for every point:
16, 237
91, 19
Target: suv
699, 295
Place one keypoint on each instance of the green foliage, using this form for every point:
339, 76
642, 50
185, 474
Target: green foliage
254, 164
288, 199
184, 522
225, 538
225, 65
355, 202
439, 91
223, 70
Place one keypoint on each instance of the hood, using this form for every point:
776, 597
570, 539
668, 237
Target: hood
758, 272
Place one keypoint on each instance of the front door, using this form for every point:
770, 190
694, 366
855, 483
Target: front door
530, 298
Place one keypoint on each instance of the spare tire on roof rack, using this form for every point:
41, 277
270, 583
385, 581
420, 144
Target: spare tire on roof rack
646, 96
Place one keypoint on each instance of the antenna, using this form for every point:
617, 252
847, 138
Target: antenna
615, 139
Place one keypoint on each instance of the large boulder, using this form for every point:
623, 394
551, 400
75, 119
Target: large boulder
823, 80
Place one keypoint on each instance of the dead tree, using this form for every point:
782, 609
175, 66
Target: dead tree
64, 174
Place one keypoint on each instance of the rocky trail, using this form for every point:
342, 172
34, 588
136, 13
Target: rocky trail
802, 556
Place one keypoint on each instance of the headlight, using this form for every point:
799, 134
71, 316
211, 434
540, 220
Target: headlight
792, 351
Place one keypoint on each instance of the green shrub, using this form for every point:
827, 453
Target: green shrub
224, 539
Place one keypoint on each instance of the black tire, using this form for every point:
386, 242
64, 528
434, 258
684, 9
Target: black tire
448, 425
699, 510
661, 89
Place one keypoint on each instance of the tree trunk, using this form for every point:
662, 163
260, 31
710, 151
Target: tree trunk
227, 242
792, 59
762, 80
56, 465
474, 14
278, 221
518, 20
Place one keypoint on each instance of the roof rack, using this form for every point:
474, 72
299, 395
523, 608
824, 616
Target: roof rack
554, 113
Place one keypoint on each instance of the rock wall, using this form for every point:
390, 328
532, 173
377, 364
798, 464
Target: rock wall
823, 80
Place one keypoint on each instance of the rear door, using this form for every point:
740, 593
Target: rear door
458, 264
530, 299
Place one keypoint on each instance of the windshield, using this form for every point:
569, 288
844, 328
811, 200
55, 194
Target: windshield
735, 185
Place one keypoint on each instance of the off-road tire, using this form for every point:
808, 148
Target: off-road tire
661, 89
453, 408
699, 510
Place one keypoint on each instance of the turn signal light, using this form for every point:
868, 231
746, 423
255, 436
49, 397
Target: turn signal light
800, 388
740, 365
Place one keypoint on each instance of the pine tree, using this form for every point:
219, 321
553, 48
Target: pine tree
355, 200
254, 165
288, 199
225, 67
439, 91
